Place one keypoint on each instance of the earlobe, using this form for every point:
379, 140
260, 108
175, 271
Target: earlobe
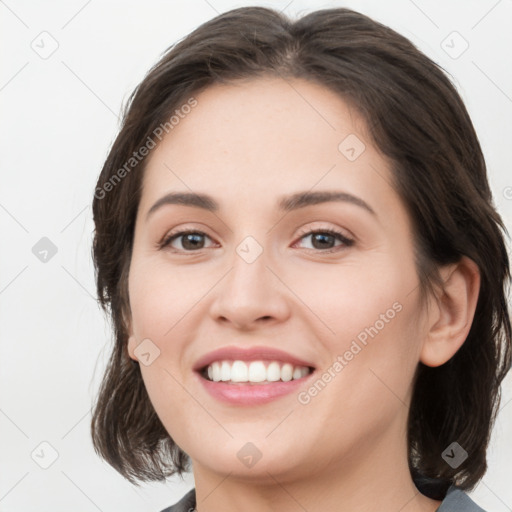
131, 346
132, 341
456, 305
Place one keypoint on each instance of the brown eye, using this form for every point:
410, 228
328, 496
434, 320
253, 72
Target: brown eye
323, 240
189, 240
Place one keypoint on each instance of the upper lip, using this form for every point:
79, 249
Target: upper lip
259, 353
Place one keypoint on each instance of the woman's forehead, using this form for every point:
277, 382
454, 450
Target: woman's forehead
297, 105
266, 135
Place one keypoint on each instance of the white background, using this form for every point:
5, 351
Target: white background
59, 117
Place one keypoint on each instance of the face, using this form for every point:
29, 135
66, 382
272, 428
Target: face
332, 284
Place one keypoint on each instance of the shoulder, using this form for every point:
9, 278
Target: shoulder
458, 501
186, 504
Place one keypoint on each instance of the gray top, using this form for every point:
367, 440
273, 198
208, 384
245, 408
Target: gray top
454, 501
458, 501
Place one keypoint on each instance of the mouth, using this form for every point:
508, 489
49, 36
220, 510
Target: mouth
258, 372
253, 376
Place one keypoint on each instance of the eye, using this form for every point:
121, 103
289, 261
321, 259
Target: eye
322, 239
190, 240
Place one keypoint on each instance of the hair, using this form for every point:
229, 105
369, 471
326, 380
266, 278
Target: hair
416, 118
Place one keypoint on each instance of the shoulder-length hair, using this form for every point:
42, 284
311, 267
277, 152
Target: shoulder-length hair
416, 118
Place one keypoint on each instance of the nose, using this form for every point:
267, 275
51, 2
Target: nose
250, 294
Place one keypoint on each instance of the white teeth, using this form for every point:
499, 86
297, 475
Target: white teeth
215, 371
255, 371
297, 373
273, 371
286, 372
225, 371
239, 372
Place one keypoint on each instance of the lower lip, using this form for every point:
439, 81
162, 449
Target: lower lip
246, 393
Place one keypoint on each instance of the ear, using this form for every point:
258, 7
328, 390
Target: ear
450, 321
132, 341
131, 346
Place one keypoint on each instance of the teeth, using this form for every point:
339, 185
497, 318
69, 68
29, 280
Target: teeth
225, 371
255, 371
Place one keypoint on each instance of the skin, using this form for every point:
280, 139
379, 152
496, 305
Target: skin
247, 144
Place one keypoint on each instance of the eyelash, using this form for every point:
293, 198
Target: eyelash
347, 242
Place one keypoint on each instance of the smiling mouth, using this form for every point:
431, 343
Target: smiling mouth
258, 372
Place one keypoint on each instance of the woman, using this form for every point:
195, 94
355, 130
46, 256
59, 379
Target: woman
296, 240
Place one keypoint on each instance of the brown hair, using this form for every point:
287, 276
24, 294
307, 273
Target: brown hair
417, 119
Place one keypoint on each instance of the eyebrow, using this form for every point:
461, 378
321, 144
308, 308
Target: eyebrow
285, 203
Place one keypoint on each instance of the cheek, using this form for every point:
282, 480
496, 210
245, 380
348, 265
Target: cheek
378, 361
161, 302
171, 401
366, 319
346, 298
160, 296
